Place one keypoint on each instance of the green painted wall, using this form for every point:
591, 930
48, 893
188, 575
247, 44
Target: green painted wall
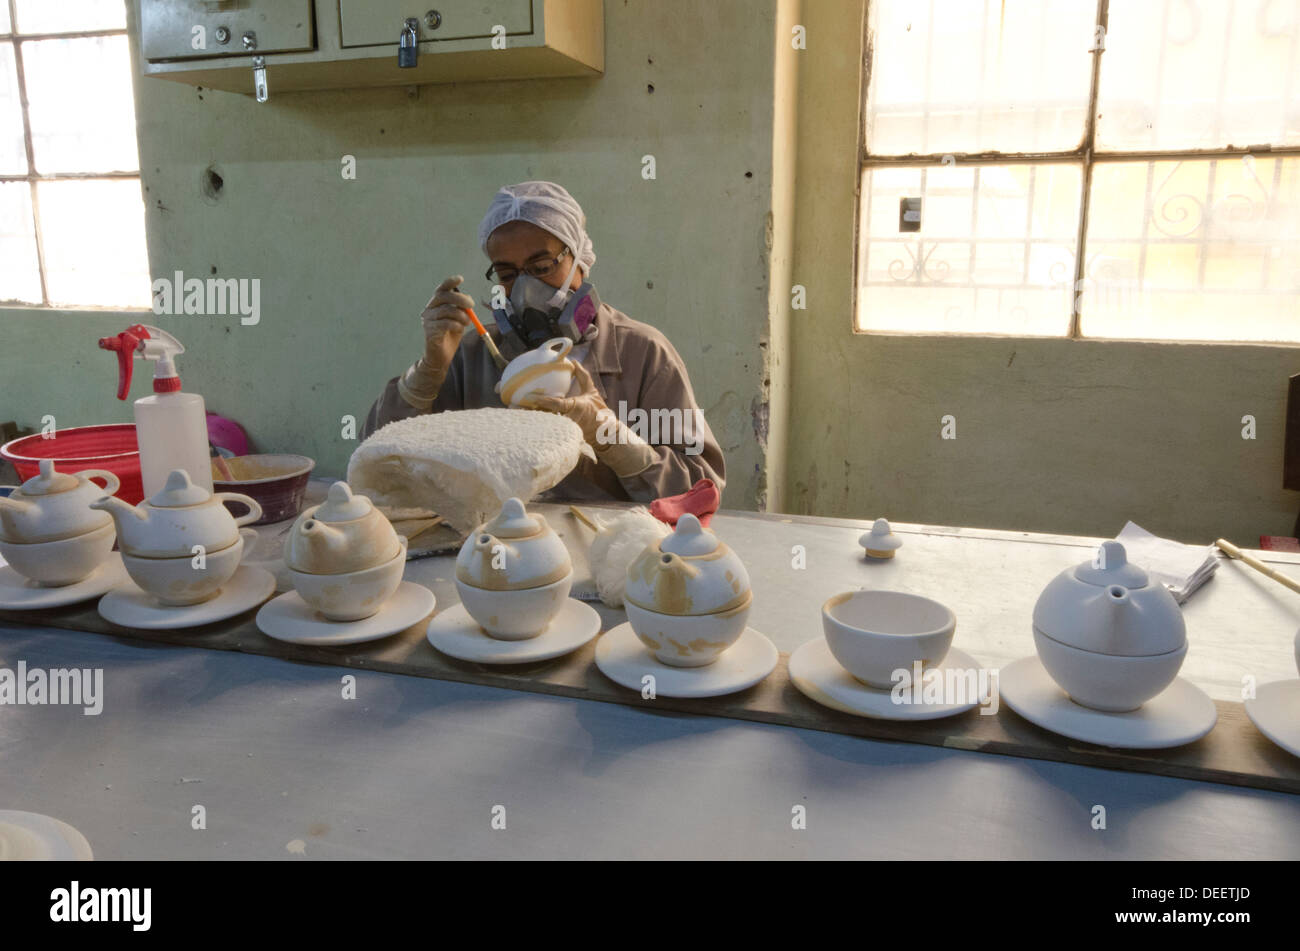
347, 266
1052, 435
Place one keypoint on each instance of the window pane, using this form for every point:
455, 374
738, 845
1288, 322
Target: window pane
1181, 75
4, 17
979, 75
994, 253
1194, 250
20, 276
80, 105
70, 16
92, 233
13, 153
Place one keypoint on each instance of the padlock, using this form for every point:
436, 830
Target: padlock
408, 45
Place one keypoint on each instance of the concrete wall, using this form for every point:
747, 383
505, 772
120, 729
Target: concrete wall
347, 266
1052, 435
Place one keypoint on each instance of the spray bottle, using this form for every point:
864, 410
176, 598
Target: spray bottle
171, 426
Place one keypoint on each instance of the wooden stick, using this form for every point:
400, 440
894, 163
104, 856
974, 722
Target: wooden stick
581, 516
1234, 552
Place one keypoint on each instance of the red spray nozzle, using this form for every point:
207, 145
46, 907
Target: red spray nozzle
125, 343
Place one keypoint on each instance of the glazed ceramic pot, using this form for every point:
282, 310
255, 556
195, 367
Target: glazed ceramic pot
342, 535
514, 573
179, 581
181, 515
352, 595
872, 633
1107, 634
62, 562
543, 371
55, 505
515, 615
689, 594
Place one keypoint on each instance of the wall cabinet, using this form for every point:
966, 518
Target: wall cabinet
337, 44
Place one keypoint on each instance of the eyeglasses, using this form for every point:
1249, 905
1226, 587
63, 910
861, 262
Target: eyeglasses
504, 273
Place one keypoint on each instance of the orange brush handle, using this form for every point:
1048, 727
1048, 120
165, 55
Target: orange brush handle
474, 317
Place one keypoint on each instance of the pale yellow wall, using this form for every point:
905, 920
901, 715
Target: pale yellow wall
347, 266
1052, 435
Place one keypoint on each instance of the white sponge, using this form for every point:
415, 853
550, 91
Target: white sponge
464, 464
617, 544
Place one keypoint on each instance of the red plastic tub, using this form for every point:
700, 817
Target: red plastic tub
111, 447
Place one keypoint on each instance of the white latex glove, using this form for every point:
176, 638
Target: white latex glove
444, 321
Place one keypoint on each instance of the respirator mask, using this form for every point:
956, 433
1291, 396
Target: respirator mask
537, 312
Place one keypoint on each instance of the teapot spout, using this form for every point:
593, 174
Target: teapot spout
10, 509
324, 540
119, 509
495, 553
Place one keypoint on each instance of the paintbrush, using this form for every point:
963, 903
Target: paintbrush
499, 360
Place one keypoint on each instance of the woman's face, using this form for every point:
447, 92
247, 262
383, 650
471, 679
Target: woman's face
517, 243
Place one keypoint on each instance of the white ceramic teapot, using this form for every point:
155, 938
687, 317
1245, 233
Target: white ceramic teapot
51, 506
176, 518
1107, 634
689, 572
513, 551
345, 533
543, 371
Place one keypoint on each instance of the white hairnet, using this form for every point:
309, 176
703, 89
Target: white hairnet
549, 207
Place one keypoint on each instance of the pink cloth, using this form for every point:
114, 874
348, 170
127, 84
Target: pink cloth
701, 500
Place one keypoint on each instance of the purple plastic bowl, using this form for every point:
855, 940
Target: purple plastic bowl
277, 482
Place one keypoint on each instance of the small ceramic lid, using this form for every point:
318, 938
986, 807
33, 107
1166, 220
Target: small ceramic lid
689, 538
341, 505
1111, 566
880, 538
513, 521
49, 482
179, 491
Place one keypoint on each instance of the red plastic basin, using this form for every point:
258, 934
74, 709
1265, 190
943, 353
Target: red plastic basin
112, 447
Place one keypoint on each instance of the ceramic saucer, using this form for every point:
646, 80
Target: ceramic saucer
622, 658
457, 634
818, 676
19, 594
129, 606
29, 836
290, 618
1183, 713
1275, 711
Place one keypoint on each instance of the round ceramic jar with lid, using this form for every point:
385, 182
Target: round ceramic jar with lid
343, 534
51, 505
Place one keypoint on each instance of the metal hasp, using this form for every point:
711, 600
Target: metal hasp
408, 44
259, 66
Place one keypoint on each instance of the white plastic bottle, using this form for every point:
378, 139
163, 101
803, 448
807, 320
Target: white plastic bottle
171, 426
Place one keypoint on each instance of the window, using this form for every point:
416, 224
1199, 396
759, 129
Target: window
1122, 168
71, 209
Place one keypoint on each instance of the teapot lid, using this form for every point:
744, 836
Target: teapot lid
513, 521
880, 538
1111, 566
179, 491
49, 482
341, 505
689, 538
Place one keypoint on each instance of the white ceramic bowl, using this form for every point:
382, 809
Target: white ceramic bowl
62, 562
352, 595
176, 581
874, 633
515, 615
688, 640
1110, 682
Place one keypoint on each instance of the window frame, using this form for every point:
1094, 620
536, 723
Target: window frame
1085, 155
33, 177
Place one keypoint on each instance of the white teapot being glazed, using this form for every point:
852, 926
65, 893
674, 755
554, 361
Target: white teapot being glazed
176, 518
1107, 634
688, 596
543, 371
514, 574
54, 505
